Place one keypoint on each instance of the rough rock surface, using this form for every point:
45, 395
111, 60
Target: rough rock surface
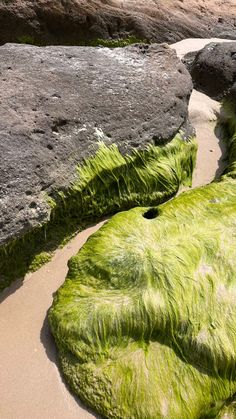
145, 321
213, 69
57, 103
73, 21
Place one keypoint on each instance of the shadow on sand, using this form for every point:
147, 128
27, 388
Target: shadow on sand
11, 289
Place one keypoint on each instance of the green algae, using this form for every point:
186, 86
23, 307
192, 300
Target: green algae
39, 260
145, 321
112, 42
110, 181
229, 410
106, 183
96, 42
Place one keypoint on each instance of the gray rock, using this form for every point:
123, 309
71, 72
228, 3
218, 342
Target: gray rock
188, 59
57, 103
214, 69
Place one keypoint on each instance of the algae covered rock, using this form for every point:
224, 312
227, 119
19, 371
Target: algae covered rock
85, 132
106, 183
60, 103
145, 321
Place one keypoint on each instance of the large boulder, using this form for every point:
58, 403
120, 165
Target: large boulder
74, 22
145, 321
213, 69
59, 103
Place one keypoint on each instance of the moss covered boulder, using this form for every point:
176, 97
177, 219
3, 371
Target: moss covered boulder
145, 321
59, 103
86, 132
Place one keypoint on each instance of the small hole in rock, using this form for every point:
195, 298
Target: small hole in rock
60, 122
33, 205
50, 147
38, 131
151, 213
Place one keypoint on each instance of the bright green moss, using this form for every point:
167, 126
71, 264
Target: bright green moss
39, 260
110, 181
106, 183
229, 411
145, 322
113, 43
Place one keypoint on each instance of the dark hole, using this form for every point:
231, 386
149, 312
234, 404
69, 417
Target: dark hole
50, 147
151, 213
38, 131
60, 122
33, 205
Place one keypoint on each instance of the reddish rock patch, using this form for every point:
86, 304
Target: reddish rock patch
78, 21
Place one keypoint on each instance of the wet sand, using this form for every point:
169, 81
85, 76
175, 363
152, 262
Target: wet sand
194, 44
30, 384
203, 113
211, 148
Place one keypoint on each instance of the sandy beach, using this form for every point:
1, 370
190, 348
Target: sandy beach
211, 148
203, 115
30, 383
